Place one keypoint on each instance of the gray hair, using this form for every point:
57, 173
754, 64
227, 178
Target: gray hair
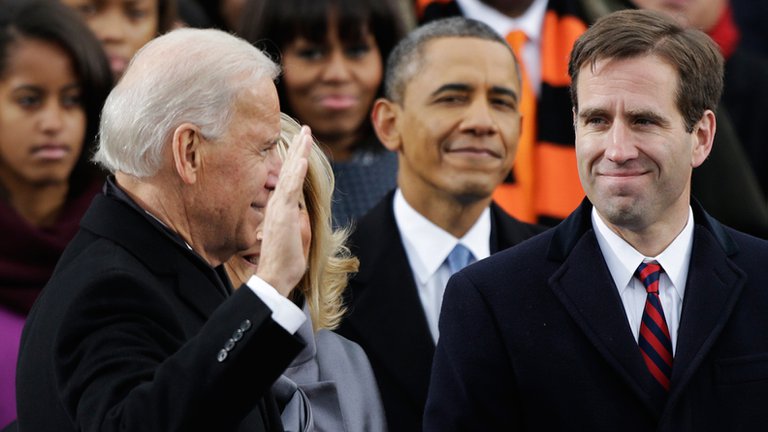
405, 61
185, 76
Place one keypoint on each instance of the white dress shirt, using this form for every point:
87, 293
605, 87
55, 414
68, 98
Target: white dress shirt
427, 246
284, 312
622, 260
530, 22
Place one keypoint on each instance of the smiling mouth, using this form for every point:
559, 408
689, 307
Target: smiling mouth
338, 102
252, 259
474, 151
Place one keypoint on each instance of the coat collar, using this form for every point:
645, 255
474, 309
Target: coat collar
570, 231
116, 220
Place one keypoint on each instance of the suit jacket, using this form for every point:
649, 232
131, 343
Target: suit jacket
134, 332
385, 315
536, 338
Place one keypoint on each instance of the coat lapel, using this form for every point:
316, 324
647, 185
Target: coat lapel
197, 283
584, 286
386, 310
712, 290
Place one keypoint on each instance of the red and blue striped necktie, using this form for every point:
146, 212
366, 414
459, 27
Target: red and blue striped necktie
655, 342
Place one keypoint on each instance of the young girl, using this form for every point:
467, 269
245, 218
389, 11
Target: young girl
124, 26
53, 81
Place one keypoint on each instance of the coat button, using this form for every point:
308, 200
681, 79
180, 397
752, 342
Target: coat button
237, 335
229, 345
222, 356
245, 325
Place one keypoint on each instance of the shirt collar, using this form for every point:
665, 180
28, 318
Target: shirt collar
428, 245
622, 259
531, 22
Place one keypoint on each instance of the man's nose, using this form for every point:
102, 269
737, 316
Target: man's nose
478, 118
620, 146
274, 165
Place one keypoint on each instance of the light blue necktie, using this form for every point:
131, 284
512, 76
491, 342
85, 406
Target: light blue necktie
459, 258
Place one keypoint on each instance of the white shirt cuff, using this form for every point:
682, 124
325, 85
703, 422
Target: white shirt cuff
284, 312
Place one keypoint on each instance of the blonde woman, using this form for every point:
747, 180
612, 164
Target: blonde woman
331, 373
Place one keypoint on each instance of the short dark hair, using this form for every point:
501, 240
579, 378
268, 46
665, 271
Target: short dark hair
53, 22
637, 33
272, 25
406, 59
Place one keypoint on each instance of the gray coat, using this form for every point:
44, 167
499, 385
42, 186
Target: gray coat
336, 377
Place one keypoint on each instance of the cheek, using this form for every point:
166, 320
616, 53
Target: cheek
298, 75
371, 74
298, 84
306, 232
76, 128
17, 131
144, 30
510, 133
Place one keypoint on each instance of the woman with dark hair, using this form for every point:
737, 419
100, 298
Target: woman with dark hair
332, 53
124, 26
54, 78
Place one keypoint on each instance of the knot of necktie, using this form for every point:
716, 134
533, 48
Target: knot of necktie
459, 258
649, 273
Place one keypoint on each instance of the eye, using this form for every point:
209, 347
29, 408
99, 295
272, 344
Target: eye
72, 100
29, 101
595, 121
136, 13
504, 102
87, 9
644, 122
357, 51
311, 53
452, 99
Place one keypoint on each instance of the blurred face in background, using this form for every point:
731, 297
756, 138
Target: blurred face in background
122, 26
331, 86
700, 14
42, 121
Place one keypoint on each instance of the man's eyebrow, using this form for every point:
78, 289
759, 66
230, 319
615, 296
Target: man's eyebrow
592, 112
505, 91
459, 87
651, 115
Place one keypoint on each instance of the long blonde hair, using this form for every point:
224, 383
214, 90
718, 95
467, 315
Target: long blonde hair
330, 262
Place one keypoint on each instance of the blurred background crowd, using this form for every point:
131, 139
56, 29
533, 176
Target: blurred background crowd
58, 61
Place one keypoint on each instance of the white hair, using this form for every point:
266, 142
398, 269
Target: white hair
185, 76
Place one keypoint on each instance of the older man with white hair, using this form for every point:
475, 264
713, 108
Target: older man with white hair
139, 328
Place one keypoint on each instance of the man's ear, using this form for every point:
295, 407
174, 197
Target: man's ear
384, 116
704, 135
186, 149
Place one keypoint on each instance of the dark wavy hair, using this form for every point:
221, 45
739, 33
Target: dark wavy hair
271, 25
53, 22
